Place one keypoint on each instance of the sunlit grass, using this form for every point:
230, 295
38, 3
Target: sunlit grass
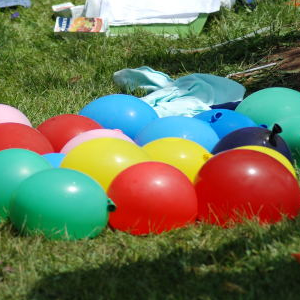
44, 76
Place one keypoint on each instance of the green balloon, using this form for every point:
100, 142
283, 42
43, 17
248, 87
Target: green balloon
60, 204
269, 105
291, 135
15, 166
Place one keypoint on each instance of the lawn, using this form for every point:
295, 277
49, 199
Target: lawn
44, 75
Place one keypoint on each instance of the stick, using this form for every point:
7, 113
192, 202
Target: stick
195, 50
251, 70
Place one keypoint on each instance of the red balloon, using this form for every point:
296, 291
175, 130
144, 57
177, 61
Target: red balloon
152, 197
241, 183
60, 129
16, 135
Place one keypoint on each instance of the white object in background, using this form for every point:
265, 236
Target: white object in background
63, 9
77, 11
130, 12
174, 20
228, 3
62, 6
92, 8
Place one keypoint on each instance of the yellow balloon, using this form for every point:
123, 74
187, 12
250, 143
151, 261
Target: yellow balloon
104, 158
275, 154
185, 155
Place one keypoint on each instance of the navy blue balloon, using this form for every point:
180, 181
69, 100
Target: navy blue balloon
224, 121
226, 105
54, 159
179, 126
119, 111
258, 136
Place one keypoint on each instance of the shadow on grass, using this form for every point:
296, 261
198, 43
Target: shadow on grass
199, 274
168, 278
249, 52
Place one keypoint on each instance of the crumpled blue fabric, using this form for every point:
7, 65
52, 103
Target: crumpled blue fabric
186, 96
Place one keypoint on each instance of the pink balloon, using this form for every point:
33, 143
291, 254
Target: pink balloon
94, 134
9, 114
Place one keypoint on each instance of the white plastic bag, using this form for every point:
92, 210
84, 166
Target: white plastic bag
129, 12
228, 3
92, 8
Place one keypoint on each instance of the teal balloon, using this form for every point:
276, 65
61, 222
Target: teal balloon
291, 135
268, 106
16, 165
60, 204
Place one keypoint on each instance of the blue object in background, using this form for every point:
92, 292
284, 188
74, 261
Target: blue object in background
8, 3
178, 126
15, 15
248, 3
54, 159
120, 111
224, 121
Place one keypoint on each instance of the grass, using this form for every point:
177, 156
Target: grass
199, 262
44, 76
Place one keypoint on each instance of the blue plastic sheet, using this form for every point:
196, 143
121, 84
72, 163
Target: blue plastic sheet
186, 96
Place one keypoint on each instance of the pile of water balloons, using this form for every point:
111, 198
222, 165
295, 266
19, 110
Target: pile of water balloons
117, 162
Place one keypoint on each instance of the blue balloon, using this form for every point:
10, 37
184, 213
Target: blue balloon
179, 126
119, 111
54, 158
225, 121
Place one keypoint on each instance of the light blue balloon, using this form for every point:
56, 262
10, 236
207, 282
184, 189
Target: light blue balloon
54, 159
224, 121
119, 111
178, 126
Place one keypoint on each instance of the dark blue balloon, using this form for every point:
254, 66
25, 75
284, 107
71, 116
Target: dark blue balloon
119, 111
224, 121
258, 136
226, 105
54, 158
179, 126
